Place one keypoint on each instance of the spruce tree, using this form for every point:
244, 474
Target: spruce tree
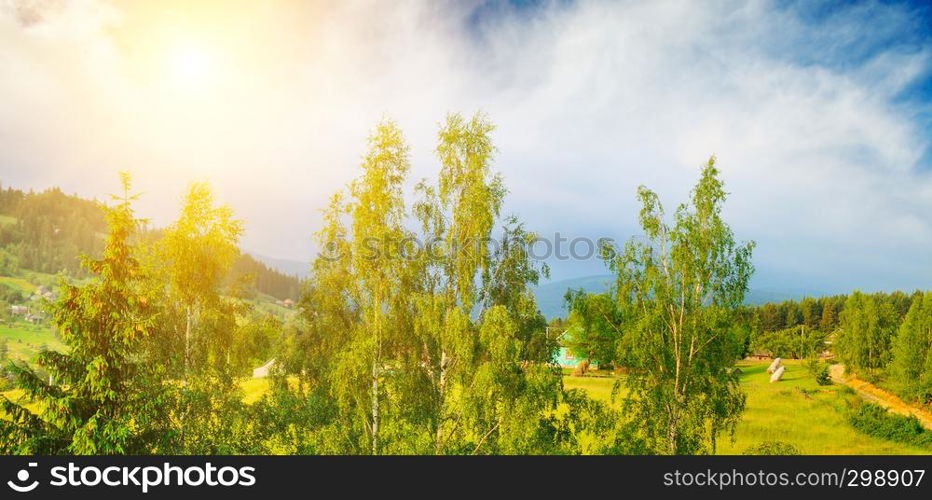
97, 398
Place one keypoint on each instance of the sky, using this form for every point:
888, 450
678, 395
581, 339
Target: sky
819, 114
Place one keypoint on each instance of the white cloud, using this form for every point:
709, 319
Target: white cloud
591, 99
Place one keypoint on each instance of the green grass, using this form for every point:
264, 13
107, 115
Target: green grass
24, 340
27, 281
598, 386
7, 220
796, 410
20, 284
254, 389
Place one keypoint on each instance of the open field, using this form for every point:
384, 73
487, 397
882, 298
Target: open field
19, 284
24, 340
796, 410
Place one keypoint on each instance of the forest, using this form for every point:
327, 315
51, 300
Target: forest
391, 349
48, 231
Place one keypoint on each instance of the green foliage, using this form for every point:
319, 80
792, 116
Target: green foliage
877, 421
682, 286
594, 326
9, 262
11, 295
4, 358
819, 371
47, 232
51, 230
194, 257
772, 448
264, 279
98, 398
911, 368
797, 342
441, 350
868, 324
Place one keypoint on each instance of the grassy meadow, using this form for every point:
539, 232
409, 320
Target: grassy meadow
24, 339
795, 410
19, 284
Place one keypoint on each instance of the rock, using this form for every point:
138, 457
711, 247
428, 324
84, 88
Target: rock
773, 366
777, 375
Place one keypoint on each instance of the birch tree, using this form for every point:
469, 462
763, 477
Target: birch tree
681, 285
377, 212
198, 249
911, 368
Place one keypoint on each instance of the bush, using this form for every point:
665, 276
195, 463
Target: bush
819, 371
875, 420
772, 448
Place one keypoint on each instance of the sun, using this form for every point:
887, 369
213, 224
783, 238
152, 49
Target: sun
191, 67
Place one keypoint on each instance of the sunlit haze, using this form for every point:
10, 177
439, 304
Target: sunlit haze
820, 118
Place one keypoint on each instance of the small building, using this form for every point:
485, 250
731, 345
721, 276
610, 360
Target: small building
565, 357
263, 371
19, 310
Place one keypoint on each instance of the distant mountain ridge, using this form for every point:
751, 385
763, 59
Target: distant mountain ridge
550, 295
285, 266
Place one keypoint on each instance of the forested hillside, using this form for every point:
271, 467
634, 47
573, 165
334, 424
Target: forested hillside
48, 231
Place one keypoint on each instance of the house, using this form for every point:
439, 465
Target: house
263, 371
565, 357
43, 293
19, 310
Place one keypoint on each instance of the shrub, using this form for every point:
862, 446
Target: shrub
819, 371
875, 420
772, 448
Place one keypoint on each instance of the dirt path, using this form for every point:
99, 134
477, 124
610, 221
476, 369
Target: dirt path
872, 393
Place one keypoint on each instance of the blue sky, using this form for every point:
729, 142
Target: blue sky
820, 114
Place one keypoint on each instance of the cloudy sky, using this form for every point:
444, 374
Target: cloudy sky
820, 115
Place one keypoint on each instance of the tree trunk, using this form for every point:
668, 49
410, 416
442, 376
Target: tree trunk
188, 321
187, 339
375, 408
444, 361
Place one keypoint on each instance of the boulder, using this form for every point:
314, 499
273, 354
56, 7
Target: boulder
773, 366
777, 375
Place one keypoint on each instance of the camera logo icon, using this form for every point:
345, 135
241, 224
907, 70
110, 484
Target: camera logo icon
21, 478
